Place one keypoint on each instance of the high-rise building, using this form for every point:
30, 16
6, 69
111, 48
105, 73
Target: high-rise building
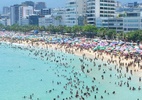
99, 8
40, 5
74, 9
28, 3
24, 12
6, 10
14, 14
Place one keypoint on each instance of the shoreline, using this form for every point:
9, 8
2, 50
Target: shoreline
99, 67
117, 60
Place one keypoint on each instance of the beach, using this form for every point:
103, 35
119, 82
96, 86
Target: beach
118, 59
85, 71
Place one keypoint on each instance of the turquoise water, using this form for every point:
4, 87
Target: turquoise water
26, 74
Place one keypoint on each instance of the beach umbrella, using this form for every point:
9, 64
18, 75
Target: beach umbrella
133, 51
136, 47
140, 46
121, 42
109, 48
102, 48
96, 48
96, 40
117, 47
126, 52
121, 49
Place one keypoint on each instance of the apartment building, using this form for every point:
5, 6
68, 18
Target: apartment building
24, 13
74, 9
58, 16
110, 23
47, 20
132, 21
99, 8
14, 14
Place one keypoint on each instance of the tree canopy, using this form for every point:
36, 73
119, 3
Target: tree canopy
87, 30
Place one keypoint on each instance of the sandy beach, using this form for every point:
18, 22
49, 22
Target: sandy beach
118, 60
96, 65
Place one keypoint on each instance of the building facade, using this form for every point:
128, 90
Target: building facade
28, 3
6, 10
45, 12
3, 21
40, 5
46, 21
34, 20
14, 14
24, 13
99, 8
74, 9
58, 16
110, 23
132, 21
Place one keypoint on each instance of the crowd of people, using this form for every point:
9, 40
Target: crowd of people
122, 54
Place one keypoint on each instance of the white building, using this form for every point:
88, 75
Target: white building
132, 21
24, 12
118, 4
3, 21
74, 9
99, 8
8, 22
46, 21
58, 16
110, 23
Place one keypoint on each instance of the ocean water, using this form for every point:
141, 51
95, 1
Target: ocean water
35, 74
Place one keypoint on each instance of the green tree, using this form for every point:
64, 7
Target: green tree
89, 30
102, 32
111, 34
68, 29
